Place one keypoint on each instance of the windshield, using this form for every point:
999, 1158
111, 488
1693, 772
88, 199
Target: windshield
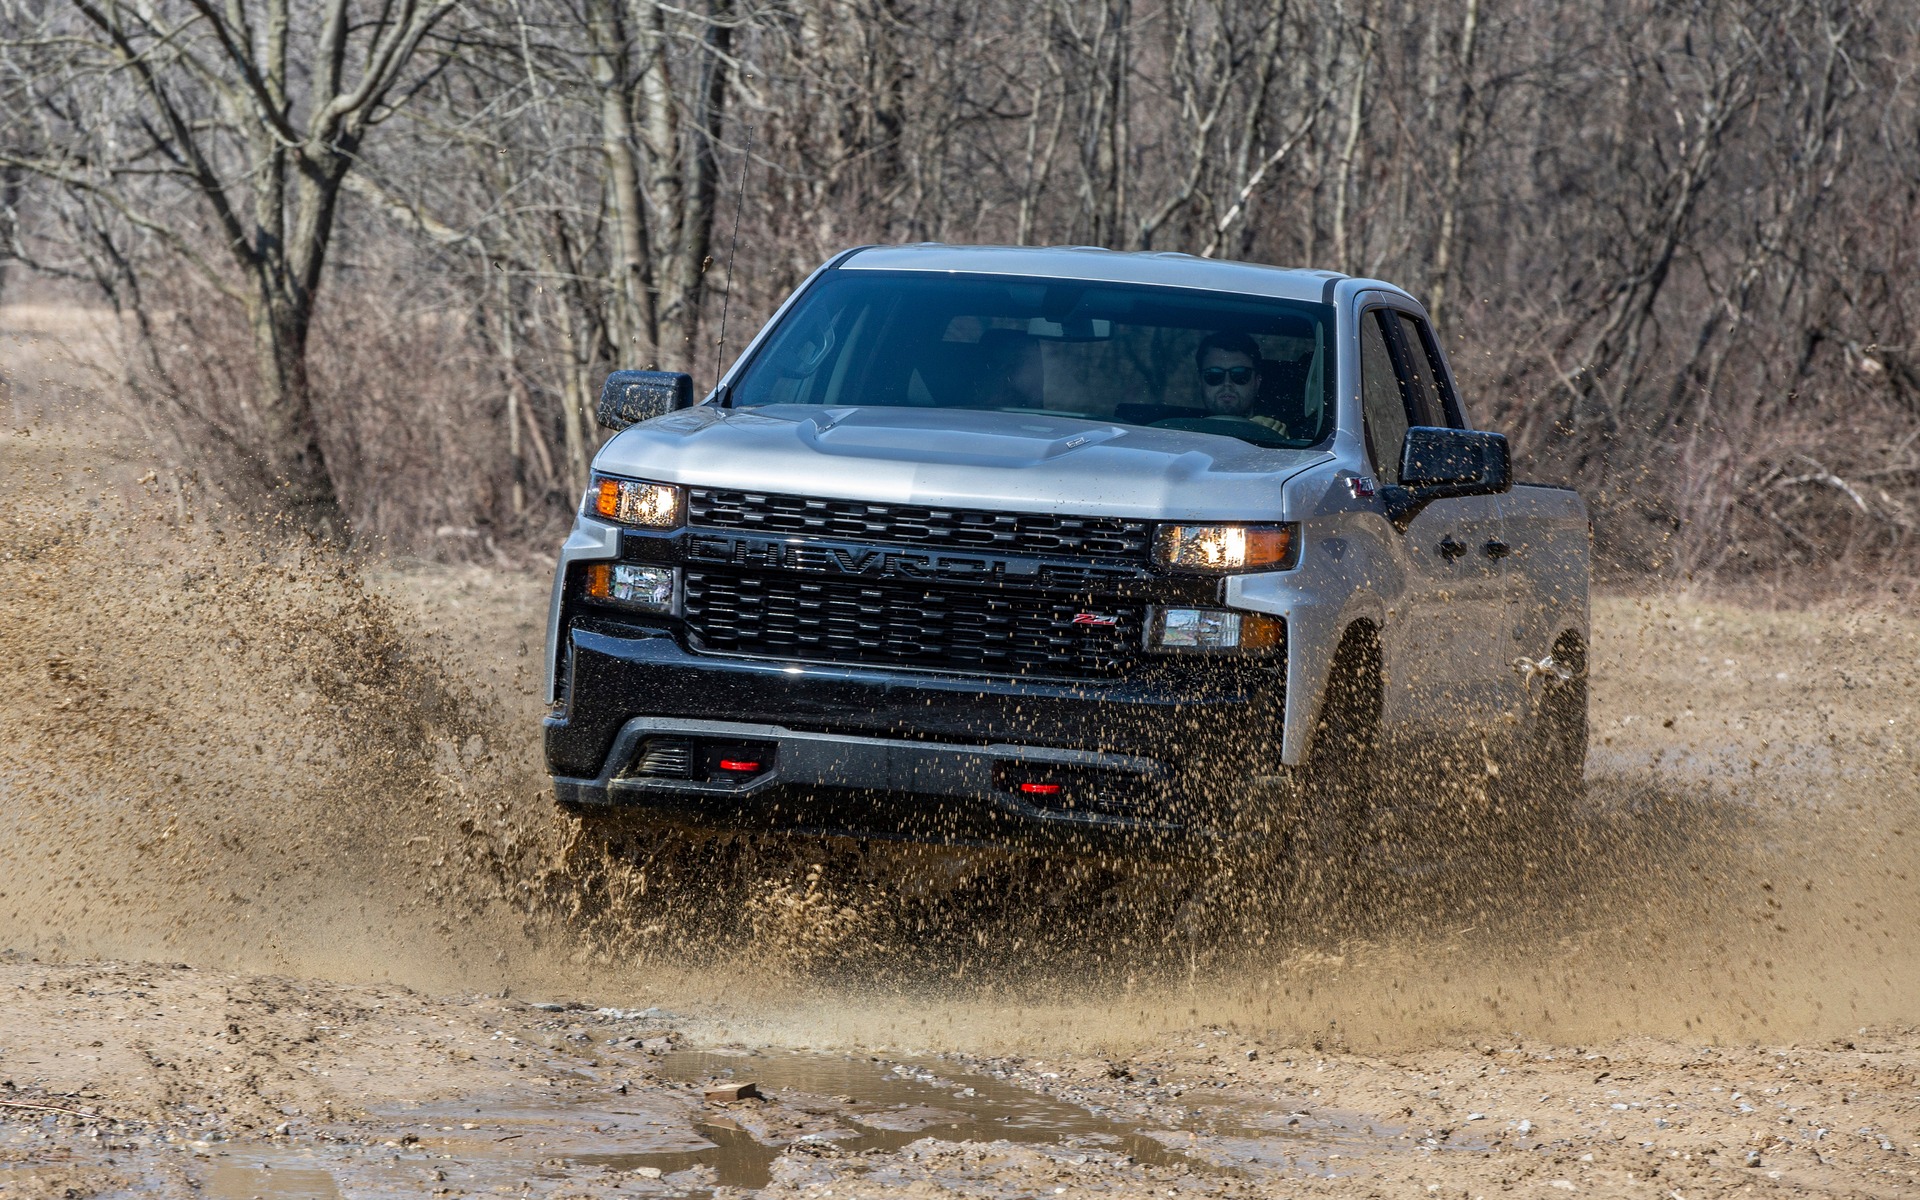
1256, 369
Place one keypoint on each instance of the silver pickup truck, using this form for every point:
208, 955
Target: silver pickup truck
983, 543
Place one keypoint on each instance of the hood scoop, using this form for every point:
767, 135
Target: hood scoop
929, 436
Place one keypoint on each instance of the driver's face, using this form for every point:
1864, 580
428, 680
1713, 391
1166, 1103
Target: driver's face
1238, 382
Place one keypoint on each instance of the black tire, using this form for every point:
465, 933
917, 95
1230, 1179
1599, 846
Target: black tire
1338, 786
1546, 780
1560, 733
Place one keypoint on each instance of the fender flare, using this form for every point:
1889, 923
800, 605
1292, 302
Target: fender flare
1313, 638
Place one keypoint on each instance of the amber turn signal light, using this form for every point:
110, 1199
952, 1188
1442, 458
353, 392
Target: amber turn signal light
630, 502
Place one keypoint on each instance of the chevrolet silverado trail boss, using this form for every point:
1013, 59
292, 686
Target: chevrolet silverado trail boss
973, 544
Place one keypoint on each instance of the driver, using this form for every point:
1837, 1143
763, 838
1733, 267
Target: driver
1230, 370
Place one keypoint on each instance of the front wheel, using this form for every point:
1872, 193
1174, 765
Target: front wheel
1552, 778
1336, 790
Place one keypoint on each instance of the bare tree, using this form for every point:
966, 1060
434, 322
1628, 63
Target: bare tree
1680, 240
660, 138
256, 112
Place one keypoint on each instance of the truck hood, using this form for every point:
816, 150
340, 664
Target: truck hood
963, 458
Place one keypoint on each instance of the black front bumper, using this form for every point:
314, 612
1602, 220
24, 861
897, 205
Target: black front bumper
919, 754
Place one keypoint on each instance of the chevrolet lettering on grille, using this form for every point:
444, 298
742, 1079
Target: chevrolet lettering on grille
872, 562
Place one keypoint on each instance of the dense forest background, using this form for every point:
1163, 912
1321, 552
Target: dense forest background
369, 258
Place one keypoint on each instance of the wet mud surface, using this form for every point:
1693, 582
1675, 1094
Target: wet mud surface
167, 1080
286, 912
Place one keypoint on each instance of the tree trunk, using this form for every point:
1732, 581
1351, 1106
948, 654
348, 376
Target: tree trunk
633, 322
1343, 250
296, 466
680, 318
10, 184
1450, 191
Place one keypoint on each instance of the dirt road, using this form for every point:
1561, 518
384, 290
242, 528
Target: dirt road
168, 1080
285, 913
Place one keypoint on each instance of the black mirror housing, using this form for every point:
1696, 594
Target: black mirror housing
1481, 463
1439, 464
629, 397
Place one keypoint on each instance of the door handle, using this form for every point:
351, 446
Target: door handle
1450, 548
1497, 548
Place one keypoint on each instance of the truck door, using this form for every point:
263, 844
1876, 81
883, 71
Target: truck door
1486, 647
1500, 550
1436, 645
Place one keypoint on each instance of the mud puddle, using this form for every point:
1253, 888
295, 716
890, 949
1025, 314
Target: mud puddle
664, 1134
875, 1105
279, 1176
844, 1105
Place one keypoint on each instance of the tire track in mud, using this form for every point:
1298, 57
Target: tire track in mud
220, 744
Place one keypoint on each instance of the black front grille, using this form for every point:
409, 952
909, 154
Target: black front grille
915, 525
903, 624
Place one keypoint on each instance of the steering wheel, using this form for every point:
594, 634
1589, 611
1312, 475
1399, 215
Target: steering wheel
809, 357
1237, 427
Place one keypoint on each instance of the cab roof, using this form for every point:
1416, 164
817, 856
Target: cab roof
1092, 264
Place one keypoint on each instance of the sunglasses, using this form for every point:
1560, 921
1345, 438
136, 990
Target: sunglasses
1215, 376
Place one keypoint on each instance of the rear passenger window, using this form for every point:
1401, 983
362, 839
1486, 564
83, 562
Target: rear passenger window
1429, 381
1416, 371
1381, 400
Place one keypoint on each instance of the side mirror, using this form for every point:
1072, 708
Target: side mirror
629, 397
1438, 464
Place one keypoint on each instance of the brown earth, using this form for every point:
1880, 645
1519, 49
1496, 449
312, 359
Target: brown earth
286, 912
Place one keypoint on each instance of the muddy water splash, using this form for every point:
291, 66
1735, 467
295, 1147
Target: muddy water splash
220, 744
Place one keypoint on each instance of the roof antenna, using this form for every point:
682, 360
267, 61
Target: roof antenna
719, 348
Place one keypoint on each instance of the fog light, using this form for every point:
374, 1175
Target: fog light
649, 589
1213, 630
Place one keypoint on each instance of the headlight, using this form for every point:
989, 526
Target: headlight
1214, 630
649, 589
630, 502
1226, 547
